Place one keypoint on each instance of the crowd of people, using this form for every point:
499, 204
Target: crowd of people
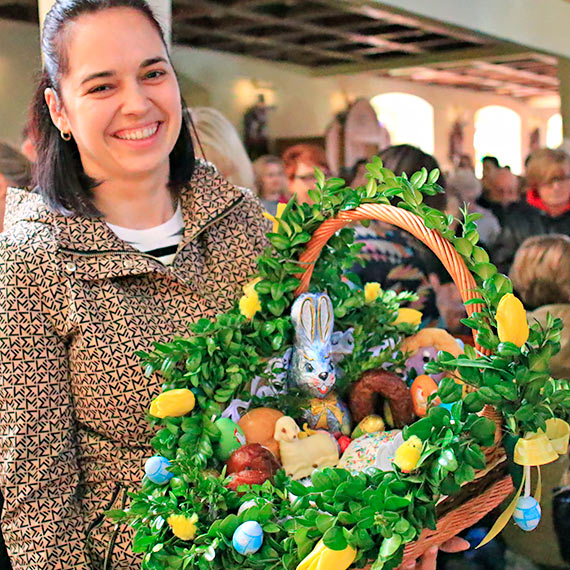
116, 235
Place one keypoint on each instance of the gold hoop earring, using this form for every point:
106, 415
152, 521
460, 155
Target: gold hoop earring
65, 136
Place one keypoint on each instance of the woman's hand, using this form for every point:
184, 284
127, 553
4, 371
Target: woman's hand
429, 559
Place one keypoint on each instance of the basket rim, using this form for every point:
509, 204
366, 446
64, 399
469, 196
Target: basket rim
405, 220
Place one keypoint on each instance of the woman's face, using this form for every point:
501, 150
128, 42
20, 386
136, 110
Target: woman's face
555, 193
273, 181
304, 180
121, 100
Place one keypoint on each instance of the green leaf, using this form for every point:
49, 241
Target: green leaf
390, 546
334, 538
483, 429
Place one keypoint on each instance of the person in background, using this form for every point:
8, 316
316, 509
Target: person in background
541, 278
15, 171
391, 256
219, 143
270, 181
490, 166
546, 209
464, 188
503, 192
300, 162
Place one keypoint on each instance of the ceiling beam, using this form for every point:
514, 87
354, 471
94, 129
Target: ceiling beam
443, 58
364, 8
250, 40
266, 19
515, 74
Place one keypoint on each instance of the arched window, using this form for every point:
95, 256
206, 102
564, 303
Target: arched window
554, 131
498, 133
408, 118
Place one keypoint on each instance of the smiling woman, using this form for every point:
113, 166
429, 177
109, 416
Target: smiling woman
128, 240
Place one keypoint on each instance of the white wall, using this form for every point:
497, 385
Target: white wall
19, 62
304, 105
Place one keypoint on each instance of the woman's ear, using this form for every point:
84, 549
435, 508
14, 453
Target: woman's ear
56, 110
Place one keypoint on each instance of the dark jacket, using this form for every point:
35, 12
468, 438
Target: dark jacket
522, 221
76, 303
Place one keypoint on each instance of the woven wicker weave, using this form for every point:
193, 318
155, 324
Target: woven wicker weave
473, 509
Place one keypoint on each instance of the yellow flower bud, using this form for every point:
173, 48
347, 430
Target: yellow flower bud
323, 558
512, 325
182, 526
173, 403
249, 304
371, 291
410, 316
408, 454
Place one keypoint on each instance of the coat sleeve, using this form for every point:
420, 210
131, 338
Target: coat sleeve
39, 475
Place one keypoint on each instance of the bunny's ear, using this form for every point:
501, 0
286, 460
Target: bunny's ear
303, 315
325, 318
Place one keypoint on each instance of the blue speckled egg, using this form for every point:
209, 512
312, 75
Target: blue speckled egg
156, 469
527, 513
248, 538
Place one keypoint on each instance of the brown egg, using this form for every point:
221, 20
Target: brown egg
258, 426
423, 387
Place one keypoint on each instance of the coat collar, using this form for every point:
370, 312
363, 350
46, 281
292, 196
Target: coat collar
89, 249
203, 200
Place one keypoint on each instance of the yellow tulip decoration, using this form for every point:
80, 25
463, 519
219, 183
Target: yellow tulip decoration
512, 325
173, 403
410, 316
183, 526
249, 304
371, 291
323, 558
408, 454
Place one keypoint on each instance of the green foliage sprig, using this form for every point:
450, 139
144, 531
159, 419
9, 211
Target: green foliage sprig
377, 513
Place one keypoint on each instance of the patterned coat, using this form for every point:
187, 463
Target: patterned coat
76, 303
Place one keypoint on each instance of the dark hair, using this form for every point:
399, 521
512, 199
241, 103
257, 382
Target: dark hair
409, 159
492, 160
58, 172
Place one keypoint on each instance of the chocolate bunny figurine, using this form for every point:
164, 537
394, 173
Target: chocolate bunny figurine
312, 368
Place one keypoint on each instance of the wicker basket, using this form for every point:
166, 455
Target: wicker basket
492, 485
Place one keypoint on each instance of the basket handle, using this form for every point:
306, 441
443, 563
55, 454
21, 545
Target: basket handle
405, 220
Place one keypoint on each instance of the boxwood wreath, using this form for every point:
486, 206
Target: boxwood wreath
376, 513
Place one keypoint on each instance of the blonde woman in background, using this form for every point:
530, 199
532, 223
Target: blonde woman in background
220, 144
270, 181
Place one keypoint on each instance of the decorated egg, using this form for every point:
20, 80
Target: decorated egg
527, 513
369, 424
258, 425
248, 538
231, 438
156, 469
422, 388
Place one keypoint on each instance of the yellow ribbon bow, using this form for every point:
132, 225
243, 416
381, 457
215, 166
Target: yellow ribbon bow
320, 407
533, 450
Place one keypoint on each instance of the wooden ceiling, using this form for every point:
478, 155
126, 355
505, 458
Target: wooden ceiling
347, 36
